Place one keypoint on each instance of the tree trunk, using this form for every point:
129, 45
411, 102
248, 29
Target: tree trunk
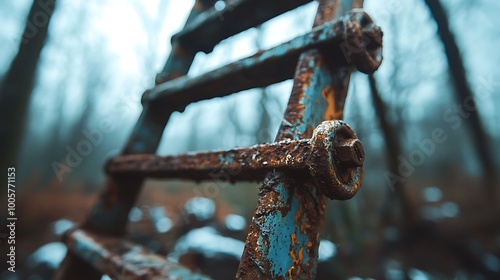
396, 198
463, 92
17, 85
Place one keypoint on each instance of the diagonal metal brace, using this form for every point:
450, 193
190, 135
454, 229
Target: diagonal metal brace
333, 157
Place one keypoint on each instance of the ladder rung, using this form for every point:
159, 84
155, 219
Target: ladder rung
262, 69
213, 26
239, 164
121, 259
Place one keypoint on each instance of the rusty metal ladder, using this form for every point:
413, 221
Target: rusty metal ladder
310, 159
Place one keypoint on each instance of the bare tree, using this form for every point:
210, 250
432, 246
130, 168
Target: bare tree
463, 92
16, 88
396, 194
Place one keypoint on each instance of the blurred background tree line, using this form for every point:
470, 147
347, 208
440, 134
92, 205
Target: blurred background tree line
73, 71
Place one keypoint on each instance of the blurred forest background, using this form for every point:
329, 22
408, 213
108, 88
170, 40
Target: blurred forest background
427, 209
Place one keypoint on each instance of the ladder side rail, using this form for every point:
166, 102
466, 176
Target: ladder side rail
283, 237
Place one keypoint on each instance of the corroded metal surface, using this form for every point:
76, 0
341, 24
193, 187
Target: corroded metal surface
283, 238
249, 163
328, 169
282, 242
351, 40
362, 41
350, 153
316, 156
121, 259
214, 26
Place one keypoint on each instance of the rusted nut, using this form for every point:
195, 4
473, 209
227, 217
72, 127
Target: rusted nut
362, 41
349, 153
337, 175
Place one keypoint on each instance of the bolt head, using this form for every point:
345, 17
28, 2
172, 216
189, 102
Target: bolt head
363, 40
332, 179
349, 153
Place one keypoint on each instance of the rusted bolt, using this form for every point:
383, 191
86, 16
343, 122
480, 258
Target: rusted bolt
349, 153
333, 157
332, 173
362, 41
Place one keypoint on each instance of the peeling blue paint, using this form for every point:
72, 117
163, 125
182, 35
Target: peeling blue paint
313, 100
283, 232
282, 193
311, 63
279, 230
226, 158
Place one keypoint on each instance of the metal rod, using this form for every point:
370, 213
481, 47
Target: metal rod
249, 163
213, 26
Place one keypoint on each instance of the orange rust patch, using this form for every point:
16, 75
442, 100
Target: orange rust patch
294, 241
297, 215
302, 226
332, 111
295, 261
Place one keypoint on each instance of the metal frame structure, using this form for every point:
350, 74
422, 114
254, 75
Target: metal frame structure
310, 159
